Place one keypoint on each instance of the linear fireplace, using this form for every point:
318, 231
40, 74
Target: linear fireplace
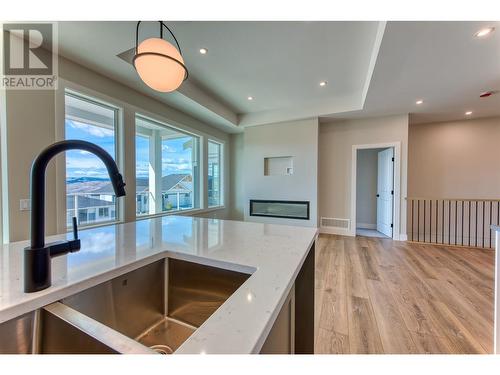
280, 209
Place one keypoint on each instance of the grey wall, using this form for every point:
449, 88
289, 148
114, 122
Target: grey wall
237, 194
457, 159
335, 158
30, 127
298, 139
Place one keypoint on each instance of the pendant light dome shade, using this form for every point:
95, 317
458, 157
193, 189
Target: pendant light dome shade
159, 64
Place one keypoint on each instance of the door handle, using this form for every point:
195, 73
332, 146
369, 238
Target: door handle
378, 195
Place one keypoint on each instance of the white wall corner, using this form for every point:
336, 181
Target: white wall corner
373, 59
402, 237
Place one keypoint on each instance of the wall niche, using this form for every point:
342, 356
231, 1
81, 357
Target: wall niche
278, 166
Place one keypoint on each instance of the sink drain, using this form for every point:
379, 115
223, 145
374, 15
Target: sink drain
162, 349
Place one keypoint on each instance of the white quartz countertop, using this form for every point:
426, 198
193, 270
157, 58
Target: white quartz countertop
273, 254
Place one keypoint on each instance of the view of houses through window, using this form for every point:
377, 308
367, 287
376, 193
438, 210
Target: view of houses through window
167, 168
89, 193
214, 175
167, 165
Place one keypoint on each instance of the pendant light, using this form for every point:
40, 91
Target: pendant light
159, 64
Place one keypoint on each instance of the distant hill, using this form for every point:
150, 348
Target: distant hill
100, 185
77, 180
85, 184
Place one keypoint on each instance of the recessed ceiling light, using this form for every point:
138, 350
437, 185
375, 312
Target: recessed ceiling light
323, 83
203, 51
487, 94
468, 113
250, 98
484, 32
419, 101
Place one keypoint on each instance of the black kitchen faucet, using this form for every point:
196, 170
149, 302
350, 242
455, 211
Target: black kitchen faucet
37, 257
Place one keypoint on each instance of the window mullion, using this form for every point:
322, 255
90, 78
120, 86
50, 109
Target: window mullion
204, 177
155, 178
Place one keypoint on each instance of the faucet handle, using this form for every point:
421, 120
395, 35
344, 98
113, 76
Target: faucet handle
75, 228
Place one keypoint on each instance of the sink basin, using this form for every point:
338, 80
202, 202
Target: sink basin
42, 332
17, 335
153, 309
159, 305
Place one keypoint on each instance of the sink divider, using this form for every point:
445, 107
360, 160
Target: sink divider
102, 333
36, 342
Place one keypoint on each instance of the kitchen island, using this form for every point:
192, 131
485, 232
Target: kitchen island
274, 301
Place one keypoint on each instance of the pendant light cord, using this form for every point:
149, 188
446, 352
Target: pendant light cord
171, 33
162, 25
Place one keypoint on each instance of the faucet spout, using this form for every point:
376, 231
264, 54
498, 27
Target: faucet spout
37, 256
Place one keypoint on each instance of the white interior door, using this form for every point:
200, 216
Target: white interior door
385, 191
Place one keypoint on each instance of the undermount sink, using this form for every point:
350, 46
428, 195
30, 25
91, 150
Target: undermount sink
43, 332
153, 309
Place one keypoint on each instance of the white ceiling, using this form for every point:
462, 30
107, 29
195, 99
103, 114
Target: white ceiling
279, 63
441, 63
372, 68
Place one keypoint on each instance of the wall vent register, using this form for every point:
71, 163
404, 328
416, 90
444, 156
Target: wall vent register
332, 222
280, 209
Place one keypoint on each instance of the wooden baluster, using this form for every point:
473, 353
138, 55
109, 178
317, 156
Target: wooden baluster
437, 214
469, 224
456, 203
430, 220
449, 222
482, 229
424, 218
489, 224
442, 225
412, 214
418, 220
476, 224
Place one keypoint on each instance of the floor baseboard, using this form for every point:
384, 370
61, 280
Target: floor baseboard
338, 231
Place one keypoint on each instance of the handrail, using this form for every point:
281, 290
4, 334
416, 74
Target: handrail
455, 199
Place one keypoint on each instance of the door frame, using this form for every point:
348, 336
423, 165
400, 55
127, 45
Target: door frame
397, 184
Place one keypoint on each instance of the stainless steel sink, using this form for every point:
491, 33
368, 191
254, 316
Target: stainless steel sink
17, 335
46, 332
153, 309
159, 305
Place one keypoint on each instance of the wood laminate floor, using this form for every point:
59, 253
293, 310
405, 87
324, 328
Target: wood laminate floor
377, 295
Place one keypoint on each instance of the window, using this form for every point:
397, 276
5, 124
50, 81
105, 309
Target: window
89, 193
214, 174
167, 168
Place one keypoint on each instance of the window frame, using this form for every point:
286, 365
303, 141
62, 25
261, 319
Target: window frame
221, 173
126, 128
93, 97
198, 192
150, 141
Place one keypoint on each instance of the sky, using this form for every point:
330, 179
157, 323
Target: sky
84, 164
